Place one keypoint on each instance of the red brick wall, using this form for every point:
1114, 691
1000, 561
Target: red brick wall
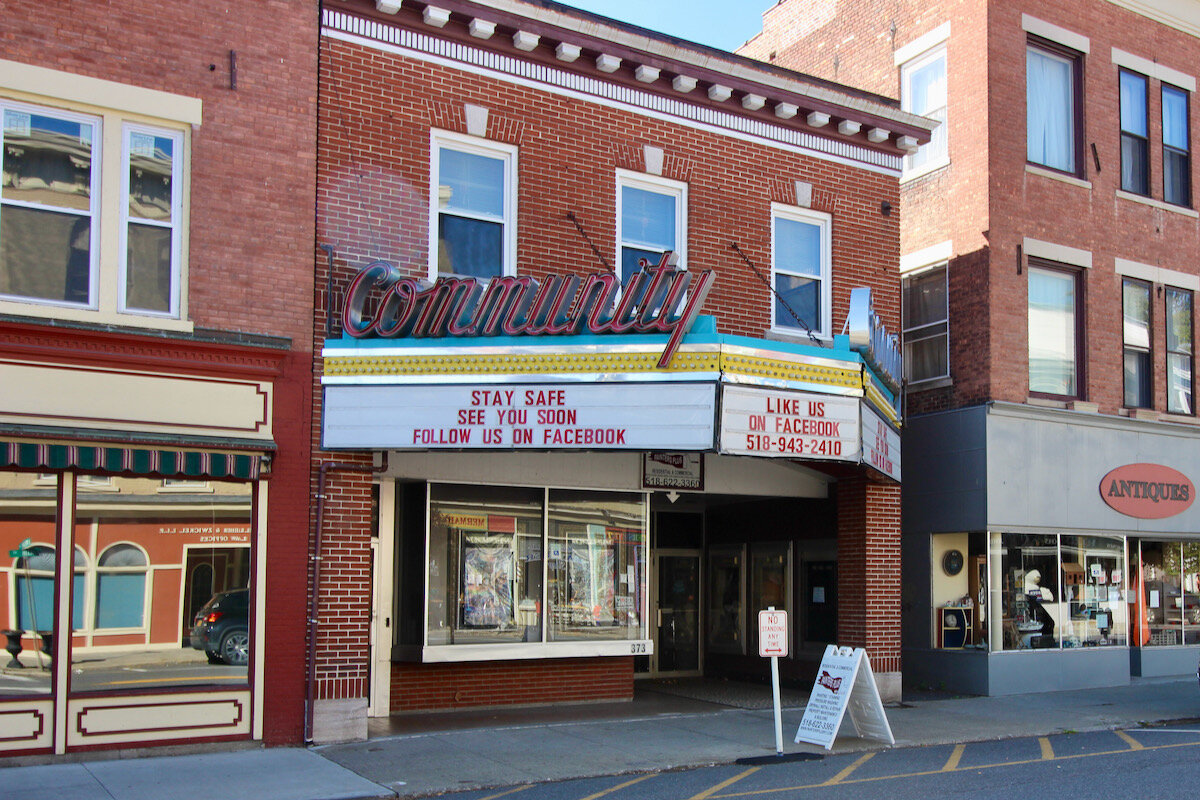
985, 201
374, 168
376, 114
250, 227
868, 521
417, 687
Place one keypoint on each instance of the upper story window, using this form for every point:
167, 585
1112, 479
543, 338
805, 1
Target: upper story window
1135, 327
923, 91
1177, 160
93, 208
651, 219
801, 247
1135, 133
51, 249
1052, 106
1179, 351
150, 231
48, 205
1055, 313
925, 320
474, 207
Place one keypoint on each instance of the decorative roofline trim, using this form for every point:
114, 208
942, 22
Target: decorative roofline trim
400, 41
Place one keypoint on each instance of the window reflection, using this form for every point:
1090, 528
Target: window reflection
596, 555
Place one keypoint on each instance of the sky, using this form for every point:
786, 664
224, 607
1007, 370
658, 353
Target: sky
725, 24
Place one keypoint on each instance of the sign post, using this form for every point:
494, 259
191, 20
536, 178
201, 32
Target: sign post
773, 643
844, 682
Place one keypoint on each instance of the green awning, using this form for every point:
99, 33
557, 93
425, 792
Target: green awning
134, 460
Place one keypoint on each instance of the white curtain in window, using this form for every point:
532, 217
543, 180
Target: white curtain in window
1050, 112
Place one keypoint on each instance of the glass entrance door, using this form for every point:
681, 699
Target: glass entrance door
677, 634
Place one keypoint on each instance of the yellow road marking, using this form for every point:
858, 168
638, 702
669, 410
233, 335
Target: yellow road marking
710, 792
864, 758
638, 779
1047, 749
927, 773
955, 757
507, 792
168, 681
1133, 743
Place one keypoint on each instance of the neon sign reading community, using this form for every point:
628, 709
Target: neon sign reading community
658, 299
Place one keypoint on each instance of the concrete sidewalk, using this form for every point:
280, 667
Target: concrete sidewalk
666, 727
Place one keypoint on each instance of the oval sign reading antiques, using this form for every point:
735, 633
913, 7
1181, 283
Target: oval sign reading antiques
1147, 491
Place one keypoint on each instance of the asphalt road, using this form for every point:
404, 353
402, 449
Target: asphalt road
1133, 763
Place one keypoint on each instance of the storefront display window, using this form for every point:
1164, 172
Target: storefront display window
1058, 591
770, 585
144, 566
485, 565
1029, 591
1167, 597
1093, 586
488, 582
595, 565
726, 619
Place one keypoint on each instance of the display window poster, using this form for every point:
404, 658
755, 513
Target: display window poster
487, 580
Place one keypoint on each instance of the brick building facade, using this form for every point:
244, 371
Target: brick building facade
508, 516
1048, 250
156, 296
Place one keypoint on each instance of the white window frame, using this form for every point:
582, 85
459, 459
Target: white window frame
935, 160
114, 104
93, 213
825, 223
664, 186
506, 153
175, 224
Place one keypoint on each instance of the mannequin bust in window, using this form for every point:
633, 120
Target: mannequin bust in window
1037, 595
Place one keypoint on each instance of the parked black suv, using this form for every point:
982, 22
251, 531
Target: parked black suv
221, 629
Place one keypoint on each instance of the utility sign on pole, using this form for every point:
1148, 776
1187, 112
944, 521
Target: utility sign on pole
772, 634
773, 643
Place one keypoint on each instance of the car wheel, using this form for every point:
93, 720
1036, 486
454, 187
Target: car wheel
235, 648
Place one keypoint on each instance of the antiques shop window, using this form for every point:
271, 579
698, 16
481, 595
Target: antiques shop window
925, 325
1055, 315
1179, 351
1165, 595
53, 198
801, 244
1135, 133
474, 200
1135, 327
1093, 608
1177, 160
1052, 106
1025, 591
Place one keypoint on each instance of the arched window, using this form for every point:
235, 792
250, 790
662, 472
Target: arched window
121, 587
35, 589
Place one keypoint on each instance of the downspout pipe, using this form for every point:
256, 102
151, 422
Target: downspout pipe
315, 555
